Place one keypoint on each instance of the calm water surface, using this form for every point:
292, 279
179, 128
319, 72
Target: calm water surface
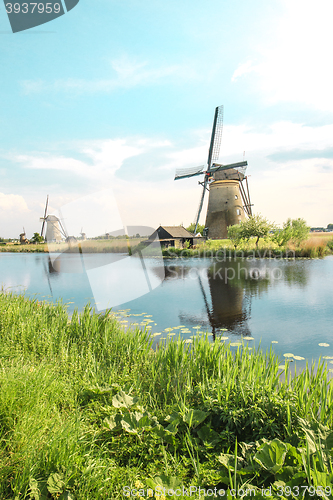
283, 304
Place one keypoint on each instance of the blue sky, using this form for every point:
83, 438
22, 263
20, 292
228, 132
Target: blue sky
117, 94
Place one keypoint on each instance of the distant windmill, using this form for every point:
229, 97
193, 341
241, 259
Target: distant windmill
226, 190
23, 238
54, 229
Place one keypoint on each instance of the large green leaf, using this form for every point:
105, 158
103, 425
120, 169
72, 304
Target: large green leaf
228, 461
167, 482
56, 483
66, 495
122, 400
135, 422
113, 422
37, 491
208, 436
164, 434
271, 456
194, 417
322, 479
174, 418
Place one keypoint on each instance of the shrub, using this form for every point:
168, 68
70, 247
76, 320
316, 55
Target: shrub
294, 230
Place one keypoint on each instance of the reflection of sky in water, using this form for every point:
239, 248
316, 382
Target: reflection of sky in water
294, 309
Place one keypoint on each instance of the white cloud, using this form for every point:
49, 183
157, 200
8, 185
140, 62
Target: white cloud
295, 61
13, 203
127, 73
279, 135
103, 158
243, 69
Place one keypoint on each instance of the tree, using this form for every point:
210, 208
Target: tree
37, 238
191, 228
235, 234
255, 226
294, 230
329, 226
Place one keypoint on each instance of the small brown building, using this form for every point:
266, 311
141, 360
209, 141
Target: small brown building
172, 236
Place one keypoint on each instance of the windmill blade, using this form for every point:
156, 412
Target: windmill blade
201, 203
182, 173
44, 218
246, 203
62, 226
215, 140
241, 165
248, 195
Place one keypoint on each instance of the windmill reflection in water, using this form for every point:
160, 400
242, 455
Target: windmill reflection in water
227, 289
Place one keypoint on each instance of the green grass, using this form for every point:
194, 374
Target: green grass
316, 246
116, 245
87, 408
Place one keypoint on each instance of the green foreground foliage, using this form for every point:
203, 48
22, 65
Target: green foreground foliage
87, 408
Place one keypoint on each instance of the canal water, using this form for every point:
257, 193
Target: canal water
283, 304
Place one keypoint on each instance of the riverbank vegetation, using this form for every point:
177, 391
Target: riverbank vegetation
91, 411
115, 245
253, 238
316, 245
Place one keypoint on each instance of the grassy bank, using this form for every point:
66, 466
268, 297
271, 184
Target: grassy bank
116, 245
317, 245
87, 409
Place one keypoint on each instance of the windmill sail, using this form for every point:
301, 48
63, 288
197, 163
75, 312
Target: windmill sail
240, 166
213, 155
44, 218
181, 173
215, 141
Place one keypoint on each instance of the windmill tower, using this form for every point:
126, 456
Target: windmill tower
23, 238
229, 199
54, 229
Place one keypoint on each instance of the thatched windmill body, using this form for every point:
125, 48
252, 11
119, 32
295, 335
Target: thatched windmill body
229, 199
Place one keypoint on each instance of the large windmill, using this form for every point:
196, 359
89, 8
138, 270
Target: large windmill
54, 229
229, 199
